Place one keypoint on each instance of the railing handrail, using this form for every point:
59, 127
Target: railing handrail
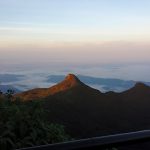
98, 142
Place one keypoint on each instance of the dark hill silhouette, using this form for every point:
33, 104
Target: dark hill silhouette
87, 112
139, 93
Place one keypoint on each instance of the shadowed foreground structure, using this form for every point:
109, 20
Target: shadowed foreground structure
126, 141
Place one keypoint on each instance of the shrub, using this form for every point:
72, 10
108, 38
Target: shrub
22, 124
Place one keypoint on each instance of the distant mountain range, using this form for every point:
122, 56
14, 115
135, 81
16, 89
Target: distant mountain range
87, 112
4, 88
10, 77
103, 84
6, 78
26, 82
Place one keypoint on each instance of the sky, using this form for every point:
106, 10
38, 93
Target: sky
74, 31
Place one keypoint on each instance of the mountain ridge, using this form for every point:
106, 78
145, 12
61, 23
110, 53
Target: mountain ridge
70, 81
86, 112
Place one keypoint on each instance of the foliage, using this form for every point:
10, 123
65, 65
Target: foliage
22, 124
1, 92
9, 93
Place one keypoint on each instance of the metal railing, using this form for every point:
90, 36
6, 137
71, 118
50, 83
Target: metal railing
123, 139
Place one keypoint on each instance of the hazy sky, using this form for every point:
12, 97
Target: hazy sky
96, 31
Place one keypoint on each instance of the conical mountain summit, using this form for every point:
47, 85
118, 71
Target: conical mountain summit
70, 81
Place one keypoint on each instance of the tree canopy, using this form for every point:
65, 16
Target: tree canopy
23, 124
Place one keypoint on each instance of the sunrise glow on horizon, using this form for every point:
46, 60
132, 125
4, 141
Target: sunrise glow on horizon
111, 27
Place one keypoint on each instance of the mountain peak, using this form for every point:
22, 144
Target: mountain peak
72, 78
69, 82
140, 85
138, 88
